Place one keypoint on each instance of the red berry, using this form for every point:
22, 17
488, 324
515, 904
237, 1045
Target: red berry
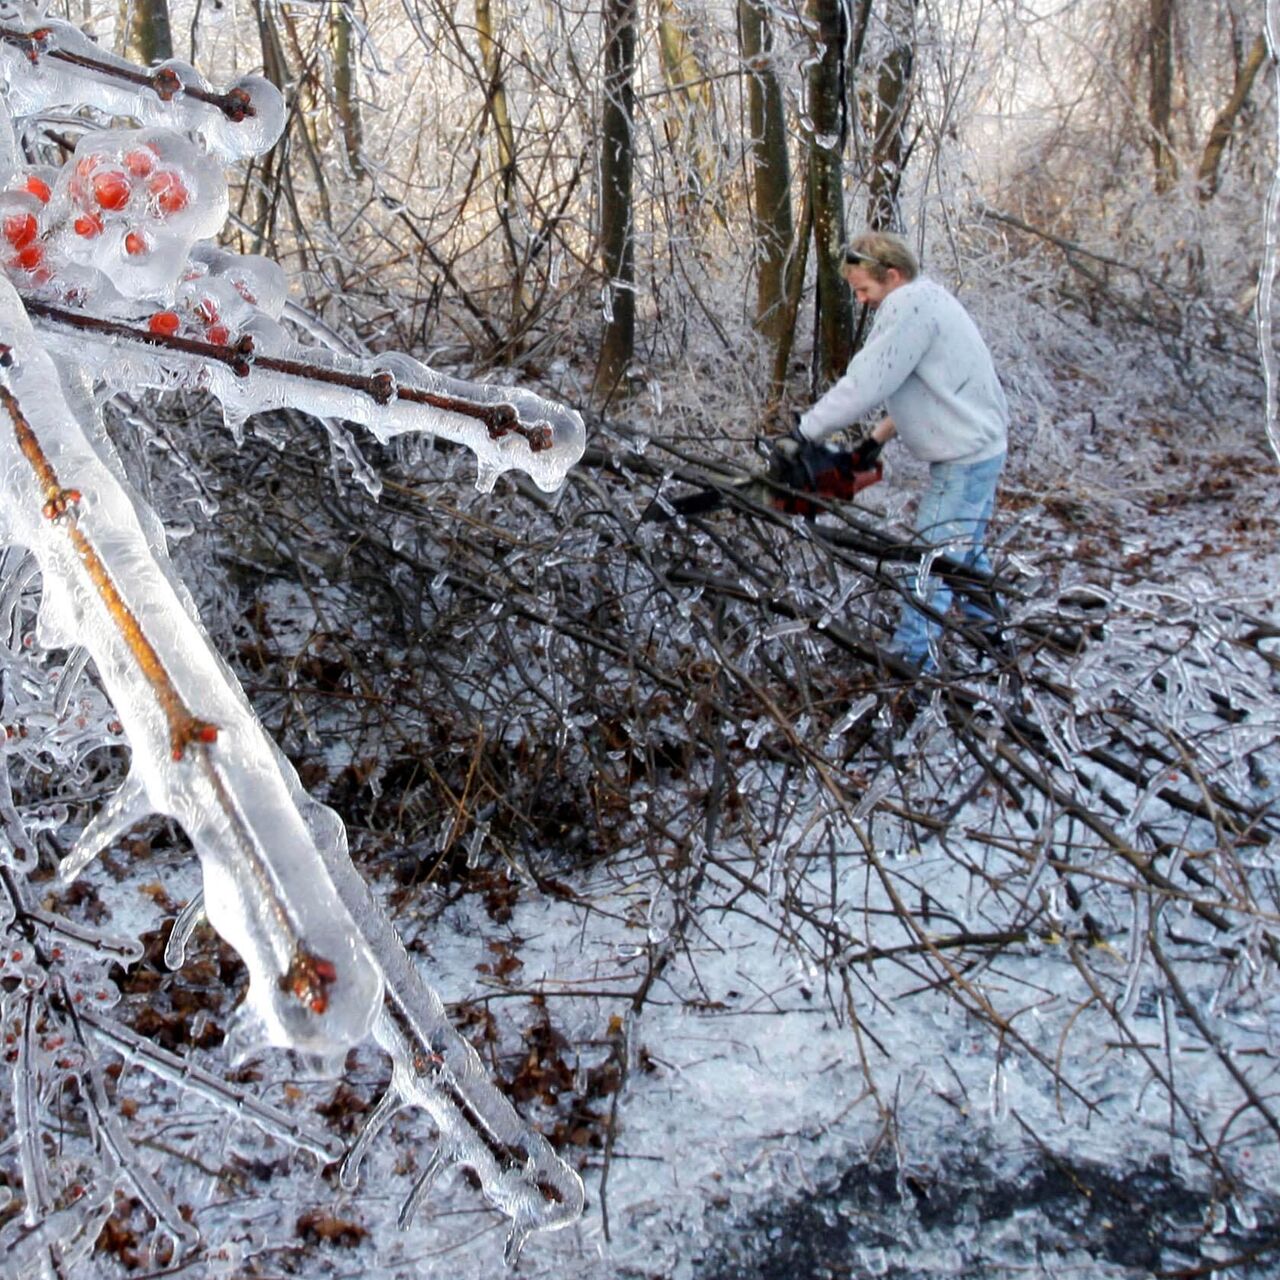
136, 244
39, 188
111, 189
208, 733
30, 257
217, 334
165, 323
140, 161
88, 225
207, 311
20, 229
168, 193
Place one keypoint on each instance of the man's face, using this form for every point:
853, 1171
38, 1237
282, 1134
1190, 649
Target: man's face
866, 288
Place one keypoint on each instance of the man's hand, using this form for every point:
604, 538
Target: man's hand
786, 458
866, 453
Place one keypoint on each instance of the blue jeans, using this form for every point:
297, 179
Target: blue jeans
953, 516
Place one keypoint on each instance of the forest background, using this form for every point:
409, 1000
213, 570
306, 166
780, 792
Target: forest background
543, 721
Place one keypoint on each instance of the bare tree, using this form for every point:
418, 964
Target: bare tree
617, 218
772, 220
690, 119
1160, 92
148, 32
345, 89
1226, 120
891, 108
829, 123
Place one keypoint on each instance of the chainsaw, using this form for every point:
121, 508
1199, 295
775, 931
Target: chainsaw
791, 484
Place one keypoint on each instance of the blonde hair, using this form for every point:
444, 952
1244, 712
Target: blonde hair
879, 251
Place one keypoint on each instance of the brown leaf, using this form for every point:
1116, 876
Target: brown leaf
323, 1228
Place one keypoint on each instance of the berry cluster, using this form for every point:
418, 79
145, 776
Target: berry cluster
136, 186
202, 312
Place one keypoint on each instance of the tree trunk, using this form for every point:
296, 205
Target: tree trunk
617, 159
793, 287
892, 106
499, 112
274, 165
1220, 134
773, 232
1160, 100
344, 87
833, 321
148, 35
491, 53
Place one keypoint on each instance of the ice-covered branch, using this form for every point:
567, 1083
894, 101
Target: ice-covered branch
213, 769
109, 255
45, 62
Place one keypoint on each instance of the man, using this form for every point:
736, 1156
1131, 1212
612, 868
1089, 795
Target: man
927, 364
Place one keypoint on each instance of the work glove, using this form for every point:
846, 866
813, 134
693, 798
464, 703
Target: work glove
866, 453
787, 458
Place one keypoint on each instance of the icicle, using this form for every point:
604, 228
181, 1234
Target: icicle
20, 570
427, 1179
1245, 1214
1137, 955
881, 786
998, 1093
175, 949
127, 807
475, 843
791, 627
390, 1103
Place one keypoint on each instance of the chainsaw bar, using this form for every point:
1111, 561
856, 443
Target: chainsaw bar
758, 488
702, 501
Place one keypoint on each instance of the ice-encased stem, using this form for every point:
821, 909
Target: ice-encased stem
436, 1068
313, 984
26, 1087
1271, 249
235, 1101
113, 1137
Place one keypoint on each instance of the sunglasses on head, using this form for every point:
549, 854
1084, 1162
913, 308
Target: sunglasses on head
852, 259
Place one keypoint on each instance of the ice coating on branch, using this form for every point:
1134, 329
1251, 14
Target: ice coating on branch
437, 1069
257, 367
48, 63
199, 755
120, 234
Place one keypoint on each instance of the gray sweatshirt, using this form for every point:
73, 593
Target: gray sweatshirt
926, 362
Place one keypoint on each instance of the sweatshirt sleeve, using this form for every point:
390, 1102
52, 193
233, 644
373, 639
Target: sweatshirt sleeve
897, 344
